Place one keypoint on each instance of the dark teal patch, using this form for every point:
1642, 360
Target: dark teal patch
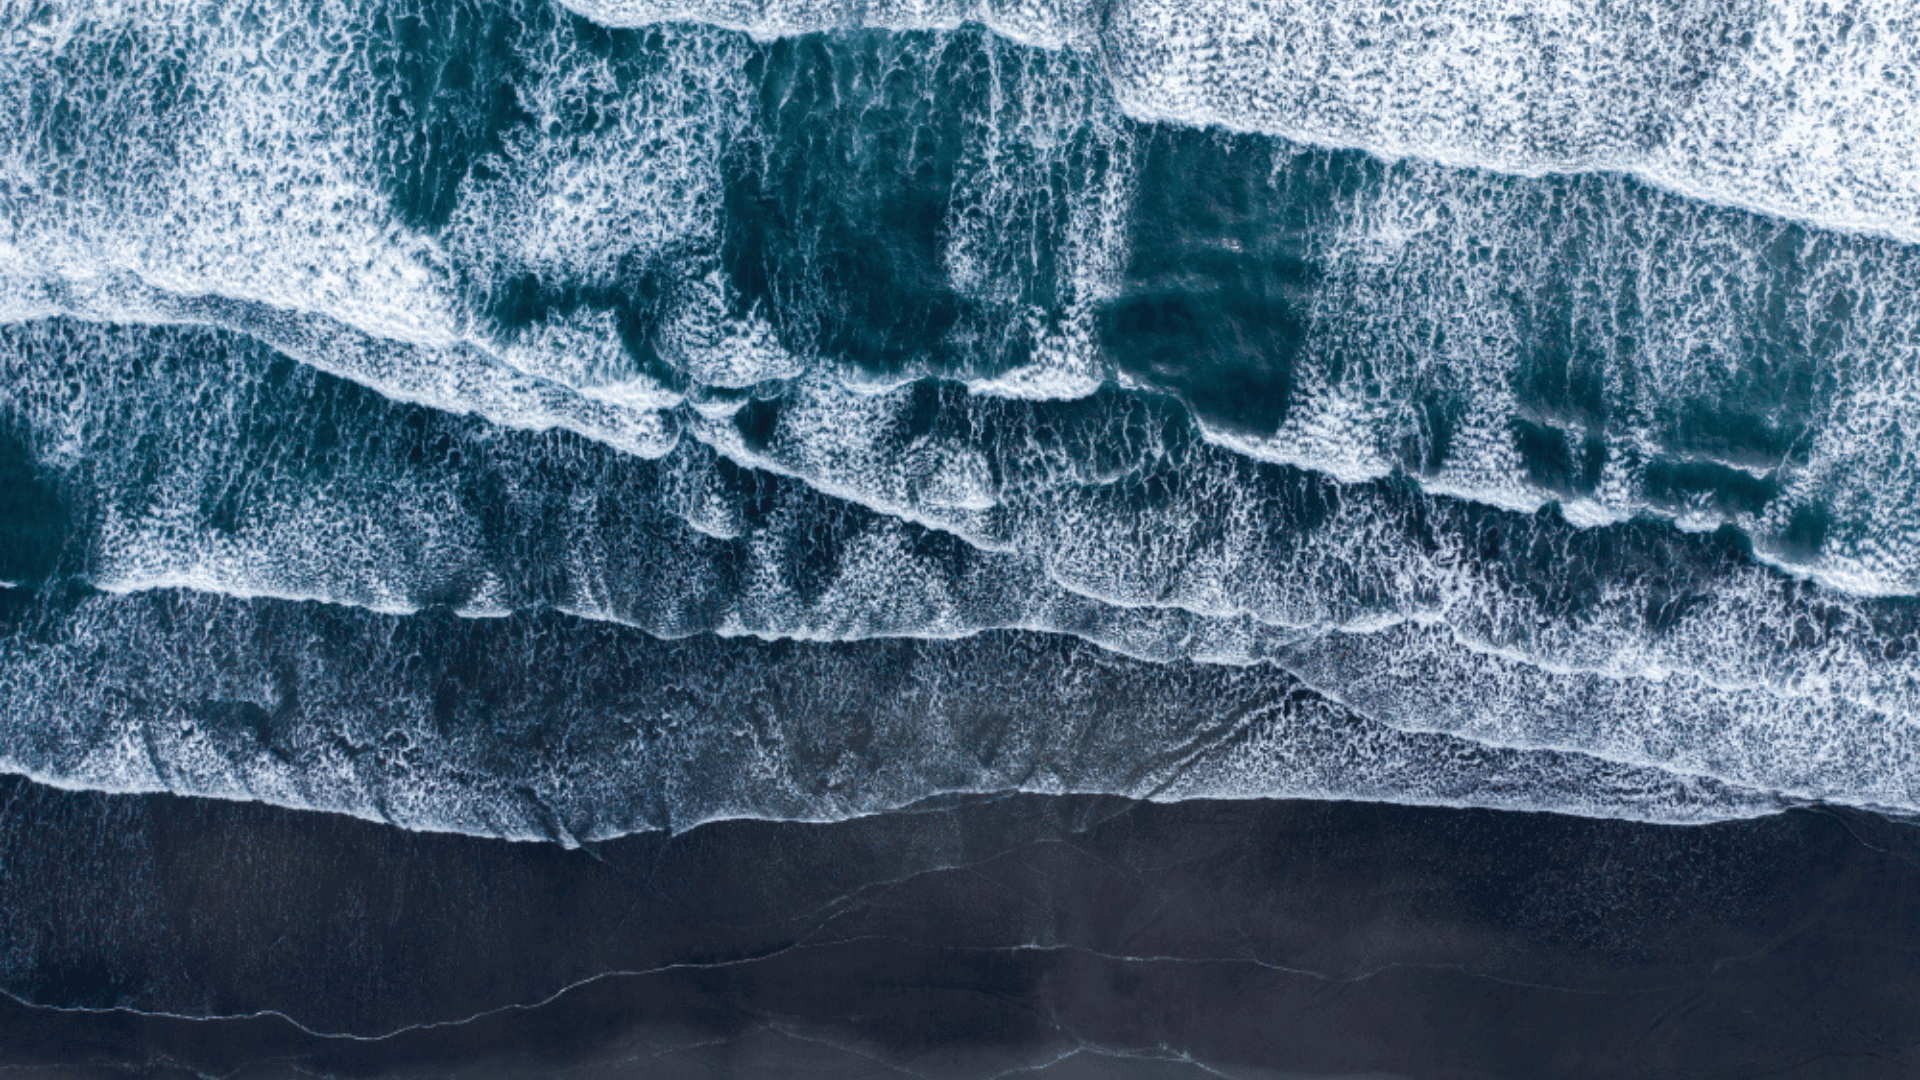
448, 73
34, 519
1677, 484
636, 298
452, 77
1755, 406
1805, 533
1557, 460
837, 211
1213, 305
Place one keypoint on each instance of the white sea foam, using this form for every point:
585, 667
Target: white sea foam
1812, 747
1661, 333
238, 160
457, 377
226, 172
393, 540
1041, 23
1225, 549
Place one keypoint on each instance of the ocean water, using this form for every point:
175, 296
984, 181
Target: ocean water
558, 422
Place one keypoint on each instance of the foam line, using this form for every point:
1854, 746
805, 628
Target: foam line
969, 357
1228, 545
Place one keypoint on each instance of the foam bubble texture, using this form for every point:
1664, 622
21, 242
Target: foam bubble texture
606, 233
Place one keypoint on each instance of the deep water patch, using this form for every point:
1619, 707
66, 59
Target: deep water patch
1214, 300
894, 208
34, 517
448, 73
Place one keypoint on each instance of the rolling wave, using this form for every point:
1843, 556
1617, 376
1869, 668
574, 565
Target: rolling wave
549, 728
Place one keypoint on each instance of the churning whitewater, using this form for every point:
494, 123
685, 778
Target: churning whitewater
561, 421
